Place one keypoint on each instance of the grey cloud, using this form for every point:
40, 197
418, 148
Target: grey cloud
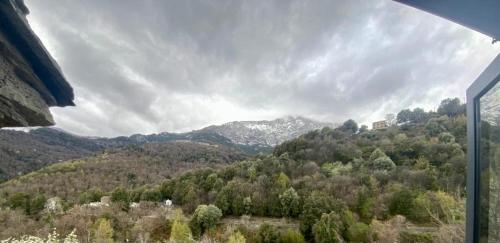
150, 66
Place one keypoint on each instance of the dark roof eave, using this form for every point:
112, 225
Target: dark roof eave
16, 29
481, 16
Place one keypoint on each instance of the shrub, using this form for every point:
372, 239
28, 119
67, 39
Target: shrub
365, 206
415, 237
31, 205
446, 137
236, 237
37, 204
90, 196
384, 232
268, 234
402, 202
358, 232
204, 218
292, 236
337, 168
379, 161
450, 233
151, 195
439, 207
103, 231
121, 196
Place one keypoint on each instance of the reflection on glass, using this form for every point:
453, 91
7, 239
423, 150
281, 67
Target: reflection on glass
489, 157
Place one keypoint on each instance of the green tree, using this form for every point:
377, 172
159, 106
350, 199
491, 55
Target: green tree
93, 195
180, 232
290, 202
131, 179
315, 205
365, 205
236, 237
292, 236
252, 173
121, 197
167, 189
152, 195
283, 181
436, 126
379, 161
419, 115
190, 199
349, 126
205, 218
358, 232
439, 207
451, 107
377, 153
328, 229
210, 182
222, 200
402, 202
336, 168
103, 231
247, 205
446, 137
404, 116
37, 204
268, 234
20, 200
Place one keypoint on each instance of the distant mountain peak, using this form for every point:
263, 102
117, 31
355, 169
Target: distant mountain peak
266, 132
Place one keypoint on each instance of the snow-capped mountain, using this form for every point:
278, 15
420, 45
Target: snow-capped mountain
266, 133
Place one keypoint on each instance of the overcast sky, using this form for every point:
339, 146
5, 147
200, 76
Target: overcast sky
153, 66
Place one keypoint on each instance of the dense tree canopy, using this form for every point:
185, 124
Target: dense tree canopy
451, 107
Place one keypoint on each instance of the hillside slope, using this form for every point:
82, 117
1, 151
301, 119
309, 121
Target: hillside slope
404, 183
23, 152
128, 167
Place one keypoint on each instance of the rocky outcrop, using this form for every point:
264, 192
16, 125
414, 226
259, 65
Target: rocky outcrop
20, 103
30, 80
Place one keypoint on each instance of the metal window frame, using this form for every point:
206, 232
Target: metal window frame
488, 78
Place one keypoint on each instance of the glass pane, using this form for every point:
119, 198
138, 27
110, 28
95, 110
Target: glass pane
489, 157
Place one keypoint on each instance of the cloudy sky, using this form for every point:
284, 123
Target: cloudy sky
152, 66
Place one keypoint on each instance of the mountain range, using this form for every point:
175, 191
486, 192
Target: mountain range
22, 152
266, 133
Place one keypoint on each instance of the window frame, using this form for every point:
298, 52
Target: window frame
488, 78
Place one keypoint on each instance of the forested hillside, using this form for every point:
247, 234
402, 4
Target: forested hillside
344, 182
405, 183
23, 152
129, 167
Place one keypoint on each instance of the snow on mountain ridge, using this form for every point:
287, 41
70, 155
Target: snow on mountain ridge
266, 133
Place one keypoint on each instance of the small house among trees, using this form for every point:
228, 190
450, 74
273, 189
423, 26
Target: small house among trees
379, 125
